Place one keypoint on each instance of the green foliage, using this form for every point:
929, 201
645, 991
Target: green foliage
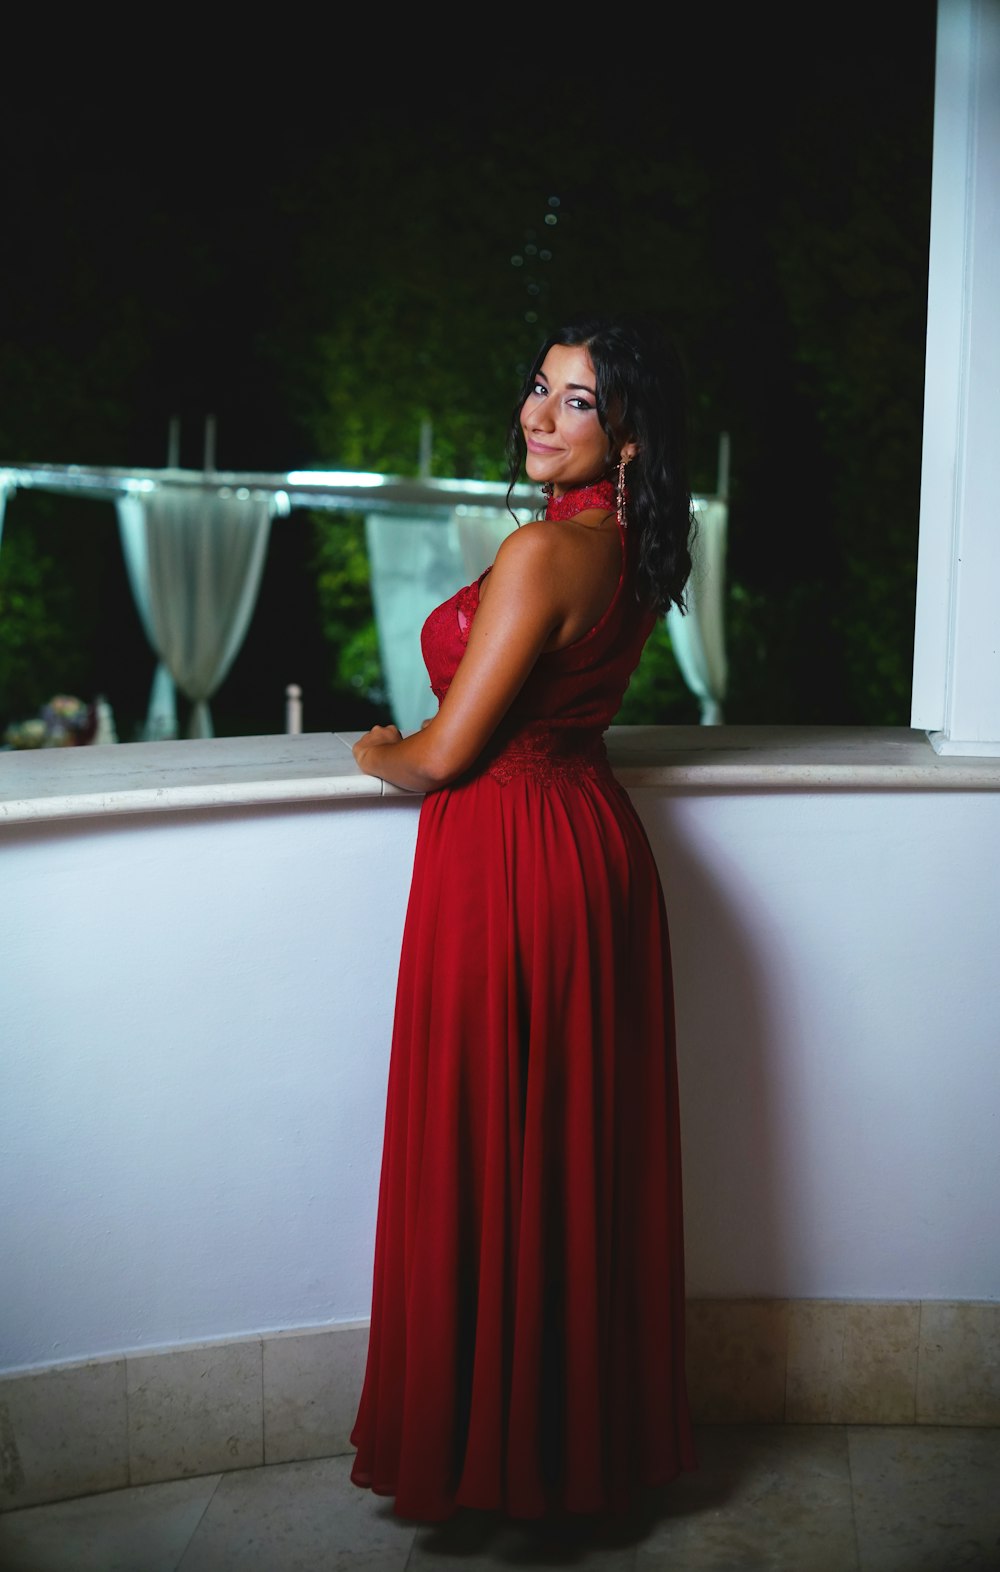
35, 626
657, 694
359, 665
356, 430
343, 580
855, 289
403, 314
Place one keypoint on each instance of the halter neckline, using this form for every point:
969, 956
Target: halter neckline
600, 495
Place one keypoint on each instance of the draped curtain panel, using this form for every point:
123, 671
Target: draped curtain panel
161, 716
415, 563
480, 532
698, 638
195, 567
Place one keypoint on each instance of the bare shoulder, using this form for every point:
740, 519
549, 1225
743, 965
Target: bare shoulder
523, 554
535, 547
556, 574
530, 542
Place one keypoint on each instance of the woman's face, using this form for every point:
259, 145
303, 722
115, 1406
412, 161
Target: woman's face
566, 444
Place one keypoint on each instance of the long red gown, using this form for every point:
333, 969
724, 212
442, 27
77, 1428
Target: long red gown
526, 1352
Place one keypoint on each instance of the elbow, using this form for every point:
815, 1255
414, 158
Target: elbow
443, 766
440, 772
445, 751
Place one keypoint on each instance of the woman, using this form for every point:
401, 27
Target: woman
527, 1350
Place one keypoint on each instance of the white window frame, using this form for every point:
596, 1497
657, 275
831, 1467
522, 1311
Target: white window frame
956, 664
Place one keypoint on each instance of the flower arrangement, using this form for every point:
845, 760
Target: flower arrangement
64, 722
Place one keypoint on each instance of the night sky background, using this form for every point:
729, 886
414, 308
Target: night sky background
309, 235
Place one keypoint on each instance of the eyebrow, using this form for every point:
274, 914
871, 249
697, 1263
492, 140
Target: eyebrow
577, 387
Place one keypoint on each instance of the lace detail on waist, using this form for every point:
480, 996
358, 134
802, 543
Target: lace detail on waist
549, 753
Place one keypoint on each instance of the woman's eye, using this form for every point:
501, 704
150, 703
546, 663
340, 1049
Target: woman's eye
540, 387
580, 403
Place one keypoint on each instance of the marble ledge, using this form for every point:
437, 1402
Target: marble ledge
319, 767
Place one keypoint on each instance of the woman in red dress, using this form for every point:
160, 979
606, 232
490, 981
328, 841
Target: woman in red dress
526, 1352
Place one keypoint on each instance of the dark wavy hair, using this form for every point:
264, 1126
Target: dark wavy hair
641, 397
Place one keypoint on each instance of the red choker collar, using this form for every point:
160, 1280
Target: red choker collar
600, 495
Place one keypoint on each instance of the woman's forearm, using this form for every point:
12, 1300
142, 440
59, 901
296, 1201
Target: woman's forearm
414, 763
388, 761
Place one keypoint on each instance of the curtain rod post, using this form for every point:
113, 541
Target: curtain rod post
722, 476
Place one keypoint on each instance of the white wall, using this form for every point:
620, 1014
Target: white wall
836, 962
195, 1013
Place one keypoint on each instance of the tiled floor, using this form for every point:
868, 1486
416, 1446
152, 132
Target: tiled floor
807, 1498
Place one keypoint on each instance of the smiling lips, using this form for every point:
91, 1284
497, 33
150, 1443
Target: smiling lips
539, 447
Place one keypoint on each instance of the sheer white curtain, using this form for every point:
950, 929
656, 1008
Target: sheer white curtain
3, 507
161, 716
194, 562
698, 638
415, 564
480, 531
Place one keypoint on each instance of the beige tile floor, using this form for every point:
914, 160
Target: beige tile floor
806, 1498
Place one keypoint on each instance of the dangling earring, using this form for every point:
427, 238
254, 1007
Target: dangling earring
620, 492
547, 488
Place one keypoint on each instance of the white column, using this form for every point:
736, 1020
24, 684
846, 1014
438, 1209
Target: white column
956, 667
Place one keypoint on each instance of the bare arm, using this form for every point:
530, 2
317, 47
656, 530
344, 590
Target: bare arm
526, 603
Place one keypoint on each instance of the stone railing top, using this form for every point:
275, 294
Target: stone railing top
318, 767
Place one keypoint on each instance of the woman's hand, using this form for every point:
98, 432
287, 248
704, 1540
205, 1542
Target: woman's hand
372, 740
